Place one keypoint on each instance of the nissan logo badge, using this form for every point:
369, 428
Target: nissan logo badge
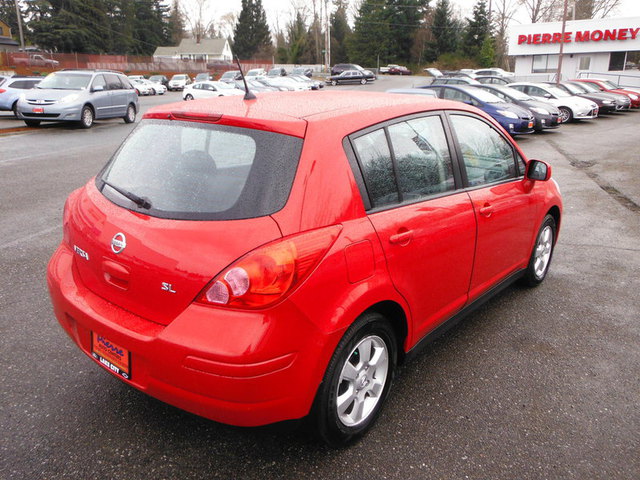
118, 243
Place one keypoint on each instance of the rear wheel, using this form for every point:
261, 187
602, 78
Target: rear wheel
542, 253
188, 96
363, 81
14, 108
566, 115
334, 83
86, 117
357, 380
32, 123
130, 117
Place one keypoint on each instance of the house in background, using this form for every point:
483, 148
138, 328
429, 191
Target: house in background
209, 51
7, 44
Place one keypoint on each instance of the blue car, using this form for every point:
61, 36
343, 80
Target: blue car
514, 119
11, 89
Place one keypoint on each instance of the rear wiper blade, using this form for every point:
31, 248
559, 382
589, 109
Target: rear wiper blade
141, 202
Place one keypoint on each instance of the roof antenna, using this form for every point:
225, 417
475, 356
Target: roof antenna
248, 95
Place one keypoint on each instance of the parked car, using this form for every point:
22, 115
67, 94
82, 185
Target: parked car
79, 96
446, 80
338, 68
306, 71
348, 76
179, 81
208, 89
202, 77
514, 119
12, 88
36, 60
610, 87
142, 88
256, 72
493, 80
277, 72
136, 77
498, 72
385, 70
606, 104
268, 262
623, 102
284, 83
230, 76
255, 86
160, 79
314, 84
546, 115
158, 88
399, 70
571, 108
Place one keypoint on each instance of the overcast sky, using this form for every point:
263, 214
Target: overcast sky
279, 12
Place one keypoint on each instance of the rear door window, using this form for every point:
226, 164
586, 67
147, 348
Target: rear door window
377, 168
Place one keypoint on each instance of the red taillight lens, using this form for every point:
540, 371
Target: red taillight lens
2, 90
268, 273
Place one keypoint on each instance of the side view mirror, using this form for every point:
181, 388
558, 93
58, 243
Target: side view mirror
548, 95
538, 170
97, 88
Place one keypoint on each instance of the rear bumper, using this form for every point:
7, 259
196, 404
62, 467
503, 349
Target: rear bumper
239, 368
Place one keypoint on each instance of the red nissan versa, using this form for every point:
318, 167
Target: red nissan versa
608, 86
253, 261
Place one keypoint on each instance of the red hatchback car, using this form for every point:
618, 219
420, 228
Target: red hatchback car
608, 86
253, 261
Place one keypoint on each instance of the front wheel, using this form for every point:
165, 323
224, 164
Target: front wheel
357, 380
566, 115
542, 253
86, 117
188, 97
130, 117
363, 81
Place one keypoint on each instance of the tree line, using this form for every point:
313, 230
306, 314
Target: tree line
382, 31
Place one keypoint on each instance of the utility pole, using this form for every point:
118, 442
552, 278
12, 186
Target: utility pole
327, 33
19, 15
564, 26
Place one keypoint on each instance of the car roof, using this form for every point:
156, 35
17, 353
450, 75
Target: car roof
290, 112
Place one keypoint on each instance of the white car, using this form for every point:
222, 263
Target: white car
142, 87
158, 88
208, 89
256, 72
570, 106
498, 72
179, 81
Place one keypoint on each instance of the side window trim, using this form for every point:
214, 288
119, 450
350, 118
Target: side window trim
459, 159
356, 166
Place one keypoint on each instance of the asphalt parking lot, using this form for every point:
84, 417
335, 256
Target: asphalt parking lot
538, 384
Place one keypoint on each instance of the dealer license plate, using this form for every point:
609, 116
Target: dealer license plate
38, 110
111, 355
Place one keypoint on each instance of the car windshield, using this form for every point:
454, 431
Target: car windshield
66, 81
188, 170
558, 92
179, 77
610, 84
156, 78
230, 74
573, 89
588, 87
515, 94
223, 85
483, 95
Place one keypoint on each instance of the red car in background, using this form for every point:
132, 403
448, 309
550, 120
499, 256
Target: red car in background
399, 70
277, 258
609, 86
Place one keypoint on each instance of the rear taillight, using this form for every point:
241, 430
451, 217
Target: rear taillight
2, 90
268, 273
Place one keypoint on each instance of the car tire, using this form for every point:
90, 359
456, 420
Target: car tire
14, 108
566, 115
86, 117
542, 253
32, 123
363, 81
352, 393
188, 97
130, 117
334, 83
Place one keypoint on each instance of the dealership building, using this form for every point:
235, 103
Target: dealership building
606, 46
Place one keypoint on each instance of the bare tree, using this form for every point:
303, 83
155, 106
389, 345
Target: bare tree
585, 9
542, 10
502, 14
201, 23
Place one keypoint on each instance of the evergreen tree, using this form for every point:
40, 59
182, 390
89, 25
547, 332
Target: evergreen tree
340, 33
176, 23
478, 28
444, 29
371, 34
403, 17
314, 43
251, 34
487, 56
151, 26
297, 33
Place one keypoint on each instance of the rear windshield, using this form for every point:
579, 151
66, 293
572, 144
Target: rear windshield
196, 171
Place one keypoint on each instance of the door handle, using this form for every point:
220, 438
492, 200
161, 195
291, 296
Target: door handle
486, 210
401, 238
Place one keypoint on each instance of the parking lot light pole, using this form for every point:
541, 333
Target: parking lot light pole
564, 26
